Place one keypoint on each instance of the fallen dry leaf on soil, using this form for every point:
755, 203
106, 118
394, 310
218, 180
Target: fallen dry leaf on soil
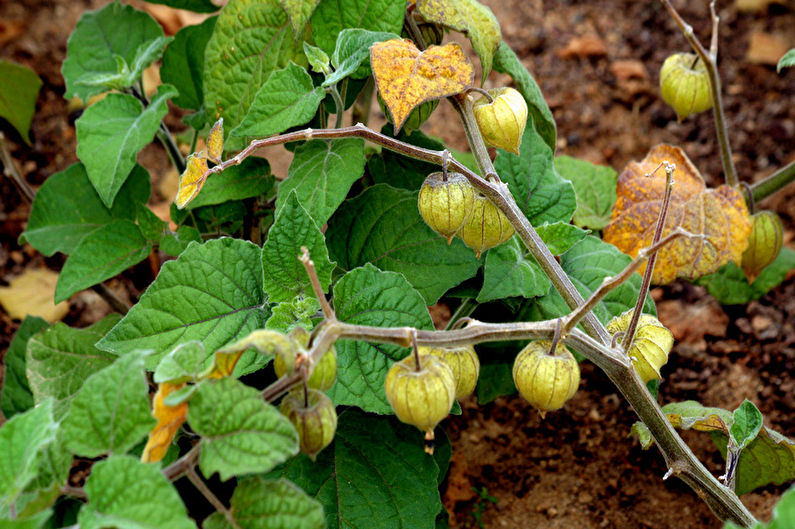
407, 77
169, 419
32, 294
720, 214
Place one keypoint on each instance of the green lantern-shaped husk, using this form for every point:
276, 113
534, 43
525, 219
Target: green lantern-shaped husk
502, 121
764, 243
421, 397
446, 204
486, 227
650, 346
464, 363
314, 417
684, 84
323, 375
546, 380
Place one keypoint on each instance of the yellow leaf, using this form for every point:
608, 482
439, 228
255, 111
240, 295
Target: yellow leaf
169, 419
192, 180
407, 77
32, 294
720, 215
215, 141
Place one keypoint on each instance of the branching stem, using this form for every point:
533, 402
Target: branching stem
178, 468
202, 487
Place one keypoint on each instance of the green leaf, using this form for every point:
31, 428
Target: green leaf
102, 254
251, 178
383, 226
535, 185
401, 171
112, 131
321, 174
730, 286
22, 441
259, 503
184, 363
560, 236
331, 17
506, 61
587, 263
19, 88
252, 38
152, 227
376, 470
197, 6
783, 514
35, 521
369, 296
787, 60
96, 43
146, 54
285, 276
295, 313
174, 243
60, 359
469, 17
747, 423
67, 207
299, 12
241, 433
511, 271
211, 293
595, 188
183, 64
125, 493
16, 396
111, 412
318, 59
285, 100
351, 55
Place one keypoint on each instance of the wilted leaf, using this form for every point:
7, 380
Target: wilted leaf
192, 180
215, 140
719, 214
31, 293
470, 17
169, 419
407, 77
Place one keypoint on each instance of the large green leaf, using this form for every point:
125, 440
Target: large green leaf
351, 55
299, 12
125, 493
252, 38
241, 433
22, 443
511, 271
96, 42
332, 16
285, 100
60, 359
19, 88
560, 236
369, 296
111, 412
211, 293
595, 188
535, 185
285, 276
730, 286
259, 503
183, 63
183, 363
67, 207
506, 61
383, 226
16, 396
374, 474
102, 254
112, 131
321, 174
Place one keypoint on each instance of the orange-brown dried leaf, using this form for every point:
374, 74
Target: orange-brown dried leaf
407, 77
169, 419
719, 214
215, 141
192, 180
224, 364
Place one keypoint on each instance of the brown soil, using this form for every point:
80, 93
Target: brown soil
597, 65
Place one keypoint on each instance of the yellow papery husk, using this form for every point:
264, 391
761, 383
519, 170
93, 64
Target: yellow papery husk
684, 84
463, 362
649, 348
421, 397
486, 227
502, 122
547, 381
446, 204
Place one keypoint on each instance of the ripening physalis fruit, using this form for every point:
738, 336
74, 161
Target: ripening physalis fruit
764, 243
421, 397
486, 227
650, 346
314, 417
325, 372
215, 141
418, 116
684, 84
545, 378
463, 362
445, 204
502, 121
